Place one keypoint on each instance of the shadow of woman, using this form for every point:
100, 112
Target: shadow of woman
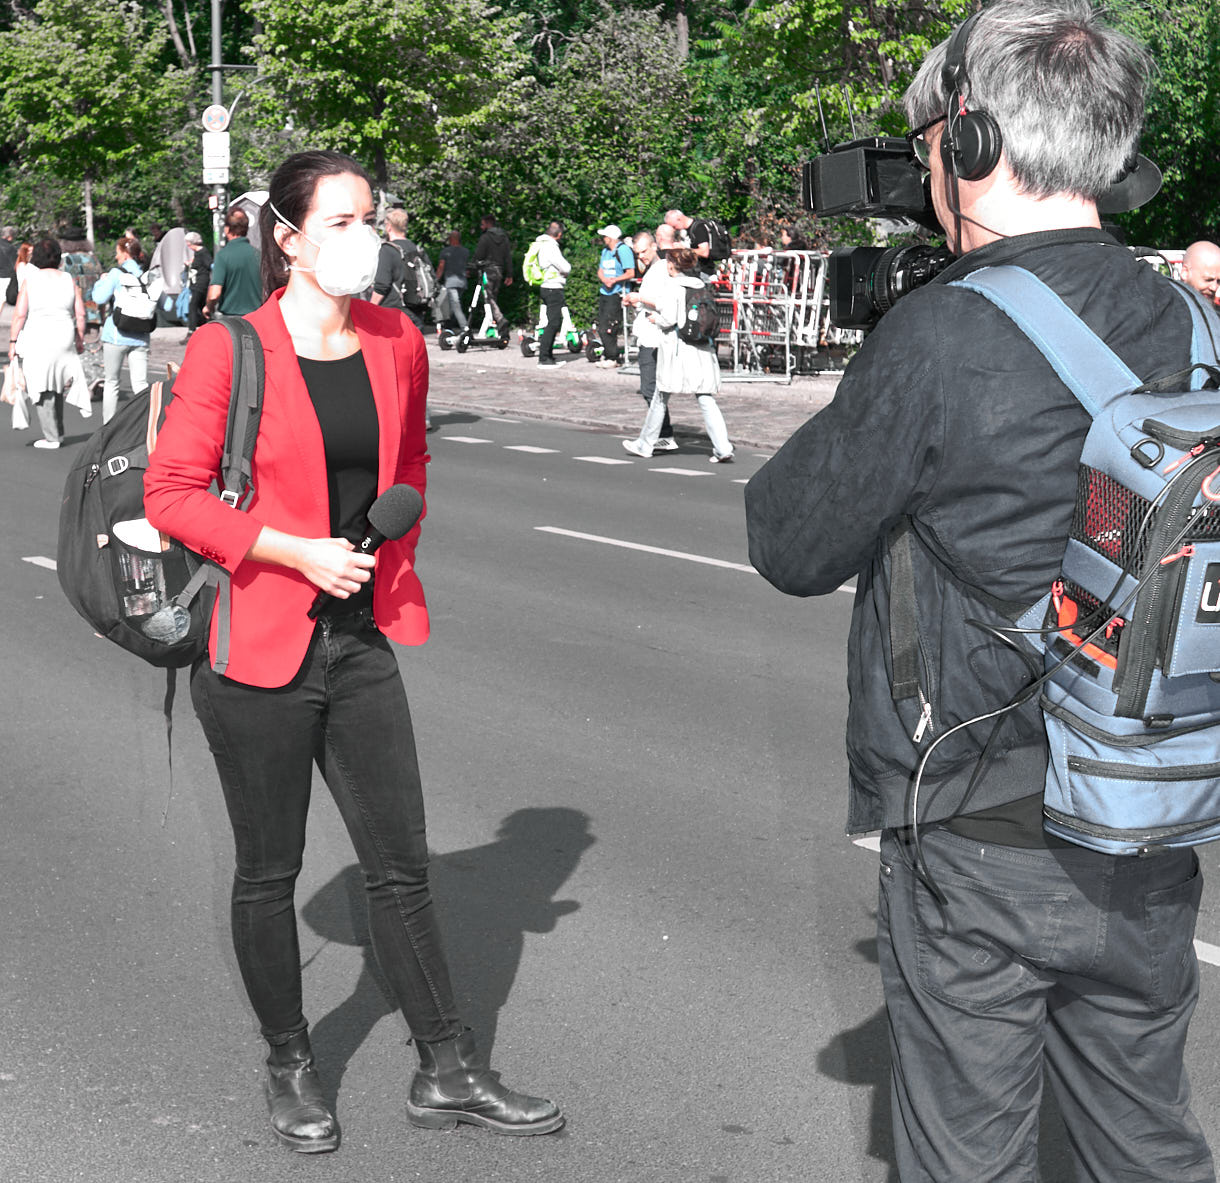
487, 899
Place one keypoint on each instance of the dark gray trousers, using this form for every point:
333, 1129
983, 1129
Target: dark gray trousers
1066, 961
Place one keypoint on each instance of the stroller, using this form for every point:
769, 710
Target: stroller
488, 333
568, 332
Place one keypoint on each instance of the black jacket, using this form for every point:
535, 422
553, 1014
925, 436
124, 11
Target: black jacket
493, 247
951, 423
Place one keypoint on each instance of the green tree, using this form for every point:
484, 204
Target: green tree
387, 80
86, 89
1183, 125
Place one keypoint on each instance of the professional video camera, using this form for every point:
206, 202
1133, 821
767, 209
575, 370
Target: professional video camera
872, 178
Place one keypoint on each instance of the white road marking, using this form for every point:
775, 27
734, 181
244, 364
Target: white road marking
529, 448
1208, 953
652, 550
741, 480
41, 561
600, 460
497, 418
683, 471
1204, 951
467, 439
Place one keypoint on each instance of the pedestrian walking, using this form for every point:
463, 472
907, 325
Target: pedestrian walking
48, 334
493, 256
451, 275
235, 286
682, 368
555, 270
119, 344
648, 334
342, 421
199, 279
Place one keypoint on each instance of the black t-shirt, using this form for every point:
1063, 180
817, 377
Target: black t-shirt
391, 272
456, 260
342, 398
8, 259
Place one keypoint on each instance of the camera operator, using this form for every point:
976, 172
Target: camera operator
942, 477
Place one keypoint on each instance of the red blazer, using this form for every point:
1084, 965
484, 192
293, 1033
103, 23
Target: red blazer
271, 628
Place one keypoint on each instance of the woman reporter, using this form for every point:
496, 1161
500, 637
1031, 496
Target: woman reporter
342, 420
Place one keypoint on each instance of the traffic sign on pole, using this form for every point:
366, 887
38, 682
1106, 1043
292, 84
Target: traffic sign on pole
215, 118
215, 176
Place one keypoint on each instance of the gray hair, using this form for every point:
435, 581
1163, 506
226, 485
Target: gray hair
1066, 90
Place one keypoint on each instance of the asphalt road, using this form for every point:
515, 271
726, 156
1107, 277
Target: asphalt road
634, 767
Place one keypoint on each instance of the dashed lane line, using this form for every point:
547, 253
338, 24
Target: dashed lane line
41, 561
683, 471
531, 448
652, 550
467, 439
601, 460
1204, 951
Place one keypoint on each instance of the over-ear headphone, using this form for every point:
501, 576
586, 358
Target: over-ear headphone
970, 144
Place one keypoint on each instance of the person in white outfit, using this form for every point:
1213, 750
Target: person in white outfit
48, 333
647, 332
682, 368
118, 344
555, 269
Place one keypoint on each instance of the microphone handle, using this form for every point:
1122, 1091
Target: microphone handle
372, 539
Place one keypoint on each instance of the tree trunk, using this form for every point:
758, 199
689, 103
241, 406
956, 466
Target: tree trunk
683, 32
89, 211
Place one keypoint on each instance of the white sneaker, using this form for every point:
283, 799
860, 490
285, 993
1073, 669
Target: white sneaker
637, 449
665, 444
727, 458
606, 364
46, 443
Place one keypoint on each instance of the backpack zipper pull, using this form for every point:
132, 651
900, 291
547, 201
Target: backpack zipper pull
925, 719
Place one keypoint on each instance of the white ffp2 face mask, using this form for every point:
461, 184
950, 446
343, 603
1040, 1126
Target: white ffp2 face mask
346, 262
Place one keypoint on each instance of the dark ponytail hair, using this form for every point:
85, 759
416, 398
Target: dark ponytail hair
291, 191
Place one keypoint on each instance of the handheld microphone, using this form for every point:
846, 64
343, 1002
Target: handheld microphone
391, 516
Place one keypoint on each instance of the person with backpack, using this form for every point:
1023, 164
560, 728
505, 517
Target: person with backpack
122, 284
615, 273
545, 265
393, 285
707, 237
310, 673
686, 358
943, 479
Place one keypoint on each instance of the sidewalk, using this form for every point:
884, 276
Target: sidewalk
503, 382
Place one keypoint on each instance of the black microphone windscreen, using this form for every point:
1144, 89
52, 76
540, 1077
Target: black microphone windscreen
396, 510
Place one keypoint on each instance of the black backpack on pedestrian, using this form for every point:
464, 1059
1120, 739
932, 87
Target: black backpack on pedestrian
144, 591
698, 325
720, 245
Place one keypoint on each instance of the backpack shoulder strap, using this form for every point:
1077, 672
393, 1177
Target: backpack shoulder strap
1205, 333
1084, 362
245, 411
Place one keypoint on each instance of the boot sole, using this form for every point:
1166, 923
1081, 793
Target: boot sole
307, 1145
447, 1119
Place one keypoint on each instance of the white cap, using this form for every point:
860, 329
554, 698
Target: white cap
612, 230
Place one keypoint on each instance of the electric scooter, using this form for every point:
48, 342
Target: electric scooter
488, 332
568, 333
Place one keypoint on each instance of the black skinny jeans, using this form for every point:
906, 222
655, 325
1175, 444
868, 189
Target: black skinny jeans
347, 710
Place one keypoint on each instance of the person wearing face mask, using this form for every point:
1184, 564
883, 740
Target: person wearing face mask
342, 421
235, 287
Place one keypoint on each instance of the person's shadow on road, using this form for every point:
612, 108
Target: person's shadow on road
487, 899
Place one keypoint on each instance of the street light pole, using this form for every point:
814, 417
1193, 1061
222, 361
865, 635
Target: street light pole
218, 99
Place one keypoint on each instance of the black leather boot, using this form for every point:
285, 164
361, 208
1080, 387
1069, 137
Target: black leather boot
300, 1118
453, 1085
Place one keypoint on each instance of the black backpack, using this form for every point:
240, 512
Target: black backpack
145, 592
720, 246
419, 279
698, 325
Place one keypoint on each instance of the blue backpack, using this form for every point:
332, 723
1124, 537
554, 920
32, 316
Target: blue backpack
1131, 629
